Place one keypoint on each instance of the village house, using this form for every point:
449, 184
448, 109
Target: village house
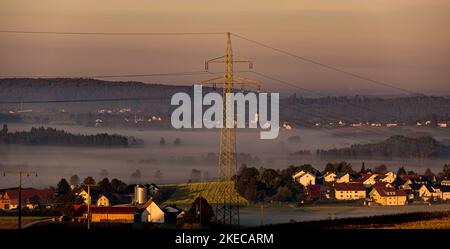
406, 184
152, 213
304, 178
103, 201
84, 194
31, 198
172, 213
388, 177
123, 214
153, 189
329, 177
413, 190
368, 179
4, 201
97, 198
445, 192
428, 192
349, 191
388, 196
343, 178
442, 125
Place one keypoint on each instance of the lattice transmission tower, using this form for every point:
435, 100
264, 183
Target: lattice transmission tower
227, 209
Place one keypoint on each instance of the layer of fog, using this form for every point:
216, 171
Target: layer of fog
175, 163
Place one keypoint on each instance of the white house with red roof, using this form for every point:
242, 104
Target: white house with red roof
152, 213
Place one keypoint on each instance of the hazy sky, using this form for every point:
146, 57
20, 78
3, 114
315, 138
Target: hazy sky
402, 42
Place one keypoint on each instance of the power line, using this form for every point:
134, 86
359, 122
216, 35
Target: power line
328, 115
323, 95
321, 64
110, 33
83, 100
187, 73
320, 94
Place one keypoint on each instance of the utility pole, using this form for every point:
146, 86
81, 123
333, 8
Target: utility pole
89, 204
19, 205
227, 209
261, 217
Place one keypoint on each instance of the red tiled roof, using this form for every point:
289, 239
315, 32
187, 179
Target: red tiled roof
41, 194
381, 184
364, 177
112, 210
79, 209
349, 187
148, 203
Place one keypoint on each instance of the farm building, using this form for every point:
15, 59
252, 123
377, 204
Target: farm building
113, 214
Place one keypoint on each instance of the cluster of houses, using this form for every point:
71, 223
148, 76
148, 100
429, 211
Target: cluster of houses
392, 124
99, 206
31, 198
139, 207
372, 188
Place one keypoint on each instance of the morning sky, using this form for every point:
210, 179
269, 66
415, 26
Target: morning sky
402, 42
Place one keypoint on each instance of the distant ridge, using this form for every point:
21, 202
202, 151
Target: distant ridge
394, 147
405, 109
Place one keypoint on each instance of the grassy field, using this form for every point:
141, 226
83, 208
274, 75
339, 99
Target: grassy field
440, 223
10, 222
185, 194
419, 220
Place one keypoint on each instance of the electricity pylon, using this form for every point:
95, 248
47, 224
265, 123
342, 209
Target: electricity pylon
227, 209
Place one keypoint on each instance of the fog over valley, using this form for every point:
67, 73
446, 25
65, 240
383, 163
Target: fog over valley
198, 150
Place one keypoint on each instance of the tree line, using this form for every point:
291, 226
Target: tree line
394, 147
51, 136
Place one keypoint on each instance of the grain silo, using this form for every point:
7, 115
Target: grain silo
140, 194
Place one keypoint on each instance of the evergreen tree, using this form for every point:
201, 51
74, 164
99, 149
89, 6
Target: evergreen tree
63, 187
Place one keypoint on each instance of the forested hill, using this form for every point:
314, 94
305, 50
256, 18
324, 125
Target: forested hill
393, 147
86, 89
50, 136
403, 109
408, 108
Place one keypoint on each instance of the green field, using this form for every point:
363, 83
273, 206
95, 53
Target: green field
185, 194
